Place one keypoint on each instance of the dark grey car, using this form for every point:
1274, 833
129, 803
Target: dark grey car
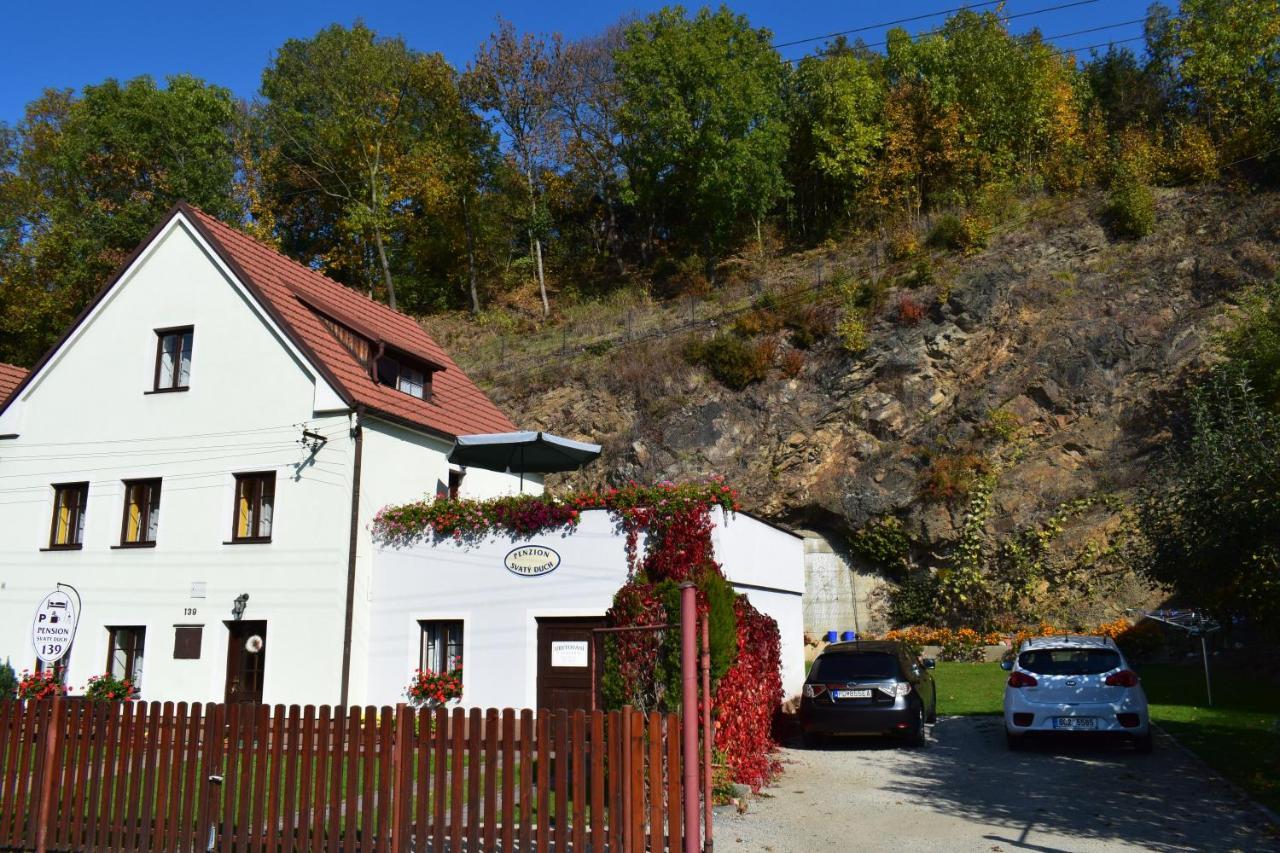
871, 687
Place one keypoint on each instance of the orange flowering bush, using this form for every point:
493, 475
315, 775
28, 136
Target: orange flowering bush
967, 644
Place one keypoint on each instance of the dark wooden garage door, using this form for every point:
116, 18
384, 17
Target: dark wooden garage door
565, 650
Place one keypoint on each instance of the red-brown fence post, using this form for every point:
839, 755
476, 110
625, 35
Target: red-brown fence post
52, 740
689, 714
402, 767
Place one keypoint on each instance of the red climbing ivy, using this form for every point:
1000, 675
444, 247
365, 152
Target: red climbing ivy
642, 667
748, 696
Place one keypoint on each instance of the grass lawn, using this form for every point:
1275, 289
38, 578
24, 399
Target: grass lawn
1239, 736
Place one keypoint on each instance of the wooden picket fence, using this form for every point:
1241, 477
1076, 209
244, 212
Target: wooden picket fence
76, 775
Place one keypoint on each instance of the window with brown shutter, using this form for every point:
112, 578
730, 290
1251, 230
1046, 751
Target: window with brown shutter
187, 640
255, 507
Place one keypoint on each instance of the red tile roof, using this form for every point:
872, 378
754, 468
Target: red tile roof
10, 376
457, 406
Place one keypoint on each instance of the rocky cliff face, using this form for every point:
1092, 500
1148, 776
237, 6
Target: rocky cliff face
1043, 365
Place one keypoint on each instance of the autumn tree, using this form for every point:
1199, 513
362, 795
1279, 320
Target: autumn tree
85, 177
585, 101
362, 132
703, 126
510, 79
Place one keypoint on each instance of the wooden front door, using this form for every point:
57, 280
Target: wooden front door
565, 649
246, 660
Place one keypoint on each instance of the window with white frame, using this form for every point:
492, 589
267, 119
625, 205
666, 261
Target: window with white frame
441, 645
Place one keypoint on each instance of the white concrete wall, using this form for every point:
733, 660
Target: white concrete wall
468, 581
87, 417
840, 595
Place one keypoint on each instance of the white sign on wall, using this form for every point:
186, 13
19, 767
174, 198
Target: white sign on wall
54, 626
569, 653
529, 561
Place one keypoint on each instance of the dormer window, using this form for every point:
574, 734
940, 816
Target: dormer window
406, 375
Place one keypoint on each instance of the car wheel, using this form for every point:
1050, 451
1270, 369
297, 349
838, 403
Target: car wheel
933, 713
1015, 742
916, 738
1145, 744
813, 740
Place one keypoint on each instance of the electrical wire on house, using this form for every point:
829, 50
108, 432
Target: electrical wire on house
293, 426
148, 465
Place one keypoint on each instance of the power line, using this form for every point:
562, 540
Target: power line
1027, 14
863, 29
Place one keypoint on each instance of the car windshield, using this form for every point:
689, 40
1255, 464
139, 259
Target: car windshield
1069, 661
848, 666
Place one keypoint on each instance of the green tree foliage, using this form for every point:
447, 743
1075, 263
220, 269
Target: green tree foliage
83, 178
1253, 344
1224, 60
835, 109
1210, 521
372, 152
1128, 92
702, 125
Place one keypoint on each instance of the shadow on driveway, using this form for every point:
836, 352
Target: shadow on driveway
1081, 788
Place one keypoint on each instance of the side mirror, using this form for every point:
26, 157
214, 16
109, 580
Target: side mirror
930, 663
1006, 665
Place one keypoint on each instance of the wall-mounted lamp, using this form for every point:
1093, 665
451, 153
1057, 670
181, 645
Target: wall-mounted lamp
237, 608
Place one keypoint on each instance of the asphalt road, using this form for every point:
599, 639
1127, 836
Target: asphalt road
966, 791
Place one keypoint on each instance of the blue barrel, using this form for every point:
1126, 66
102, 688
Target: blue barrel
831, 636
849, 635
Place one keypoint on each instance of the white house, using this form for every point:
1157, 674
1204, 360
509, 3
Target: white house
524, 631
220, 425
199, 458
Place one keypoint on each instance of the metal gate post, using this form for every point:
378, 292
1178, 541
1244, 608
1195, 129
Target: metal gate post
689, 713
708, 843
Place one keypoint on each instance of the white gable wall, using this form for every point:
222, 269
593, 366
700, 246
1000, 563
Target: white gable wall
86, 416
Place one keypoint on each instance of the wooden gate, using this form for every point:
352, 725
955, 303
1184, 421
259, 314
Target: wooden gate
76, 775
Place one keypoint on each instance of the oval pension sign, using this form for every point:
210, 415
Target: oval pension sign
529, 561
54, 626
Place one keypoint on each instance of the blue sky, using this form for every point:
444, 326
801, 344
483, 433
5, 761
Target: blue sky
70, 44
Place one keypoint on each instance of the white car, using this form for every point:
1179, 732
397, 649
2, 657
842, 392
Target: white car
1074, 685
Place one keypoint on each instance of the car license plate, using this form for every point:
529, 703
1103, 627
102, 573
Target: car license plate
852, 694
1085, 723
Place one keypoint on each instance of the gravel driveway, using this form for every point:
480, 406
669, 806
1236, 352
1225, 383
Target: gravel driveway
966, 791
